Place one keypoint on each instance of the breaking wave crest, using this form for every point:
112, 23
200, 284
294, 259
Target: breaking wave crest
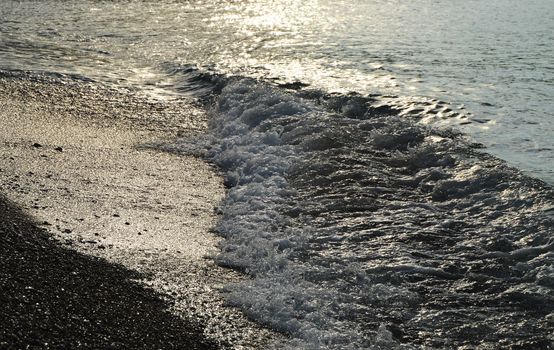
362, 229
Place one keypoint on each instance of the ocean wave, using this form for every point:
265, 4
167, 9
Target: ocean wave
364, 229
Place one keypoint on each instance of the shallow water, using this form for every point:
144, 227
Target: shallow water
362, 221
484, 67
366, 230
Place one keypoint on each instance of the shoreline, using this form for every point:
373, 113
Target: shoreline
71, 161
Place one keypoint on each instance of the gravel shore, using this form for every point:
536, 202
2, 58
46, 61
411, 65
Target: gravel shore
105, 241
53, 297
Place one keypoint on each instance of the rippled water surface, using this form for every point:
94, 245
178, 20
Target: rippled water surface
362, 229
484, 66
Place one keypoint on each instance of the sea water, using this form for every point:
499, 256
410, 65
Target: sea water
362, 229
350, 134
484, 67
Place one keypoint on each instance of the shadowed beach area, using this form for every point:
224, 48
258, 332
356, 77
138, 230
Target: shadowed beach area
53, 297
106, 242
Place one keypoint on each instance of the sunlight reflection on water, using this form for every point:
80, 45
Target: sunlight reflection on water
493, 57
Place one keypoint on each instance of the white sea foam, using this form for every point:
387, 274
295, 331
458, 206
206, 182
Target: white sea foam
360, 228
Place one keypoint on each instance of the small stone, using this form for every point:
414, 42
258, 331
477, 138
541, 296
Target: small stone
59, 149
115, 215
37, 145
127, 223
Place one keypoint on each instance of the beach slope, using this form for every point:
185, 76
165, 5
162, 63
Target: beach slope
74, 167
